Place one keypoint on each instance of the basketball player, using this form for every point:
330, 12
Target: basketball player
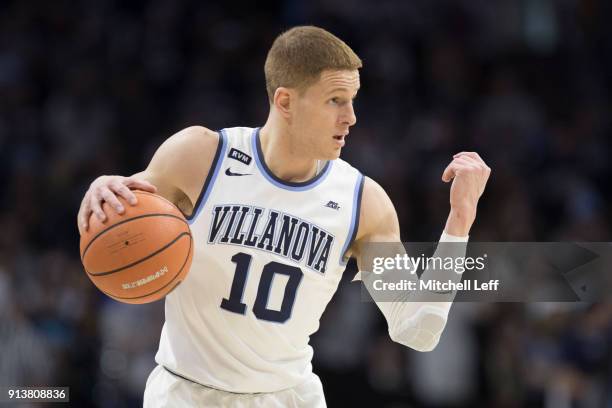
275, 214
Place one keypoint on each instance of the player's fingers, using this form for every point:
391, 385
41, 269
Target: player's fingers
473, 155
455, 167
476, 157
476, 164
121, 189
466, 160
83, 216
112, 200
469, 163
461, 164
95, 203
449, 172
139, 185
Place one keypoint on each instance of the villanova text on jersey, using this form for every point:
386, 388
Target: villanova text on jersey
272, 231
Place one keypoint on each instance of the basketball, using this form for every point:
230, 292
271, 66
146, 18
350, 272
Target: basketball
141, 255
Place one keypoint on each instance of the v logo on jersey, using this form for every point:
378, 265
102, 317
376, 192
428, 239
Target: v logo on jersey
231, 173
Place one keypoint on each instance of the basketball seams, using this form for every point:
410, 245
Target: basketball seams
128, 220
100, 252
149, 256
163, 287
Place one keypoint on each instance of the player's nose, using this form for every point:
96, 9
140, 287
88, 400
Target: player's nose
349, 118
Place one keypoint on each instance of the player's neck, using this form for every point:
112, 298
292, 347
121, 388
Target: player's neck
282, 158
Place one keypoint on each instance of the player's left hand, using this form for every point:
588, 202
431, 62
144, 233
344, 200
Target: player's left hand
469, 175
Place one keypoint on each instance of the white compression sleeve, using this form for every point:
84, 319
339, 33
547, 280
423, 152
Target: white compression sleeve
416, 319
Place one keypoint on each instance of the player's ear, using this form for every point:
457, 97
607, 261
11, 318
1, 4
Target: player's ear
282, 101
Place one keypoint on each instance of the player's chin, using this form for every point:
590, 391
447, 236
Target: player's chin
333, 154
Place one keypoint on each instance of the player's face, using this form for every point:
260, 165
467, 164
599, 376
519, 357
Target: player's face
324, 113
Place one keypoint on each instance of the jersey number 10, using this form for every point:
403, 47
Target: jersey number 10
260, 308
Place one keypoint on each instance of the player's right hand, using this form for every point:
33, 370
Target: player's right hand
107, 188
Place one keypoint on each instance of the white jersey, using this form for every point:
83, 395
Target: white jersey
268, 257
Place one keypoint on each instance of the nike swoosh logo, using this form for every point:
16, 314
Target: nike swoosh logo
230, 173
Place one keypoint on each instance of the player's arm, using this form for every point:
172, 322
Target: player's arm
412, 322
416, 321
177, 172
180, 166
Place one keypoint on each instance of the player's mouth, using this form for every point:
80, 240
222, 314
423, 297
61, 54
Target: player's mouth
340, 139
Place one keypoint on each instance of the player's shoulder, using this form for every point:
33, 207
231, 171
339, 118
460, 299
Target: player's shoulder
345, 169
373, 191
241, 130
238, 132
240, 137
182, 162
194, 136
377, 211
189, 142
197, 140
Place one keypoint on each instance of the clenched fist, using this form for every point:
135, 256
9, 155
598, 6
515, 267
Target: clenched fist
469, 175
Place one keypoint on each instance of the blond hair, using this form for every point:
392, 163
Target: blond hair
298, 56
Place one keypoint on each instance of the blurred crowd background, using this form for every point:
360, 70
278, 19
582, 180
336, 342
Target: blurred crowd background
93, 87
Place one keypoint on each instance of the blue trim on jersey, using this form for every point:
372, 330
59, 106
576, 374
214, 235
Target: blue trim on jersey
211, 177
354, 218
287, 185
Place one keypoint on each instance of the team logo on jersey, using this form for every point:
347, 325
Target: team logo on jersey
240, 156
281, 234
333, 205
